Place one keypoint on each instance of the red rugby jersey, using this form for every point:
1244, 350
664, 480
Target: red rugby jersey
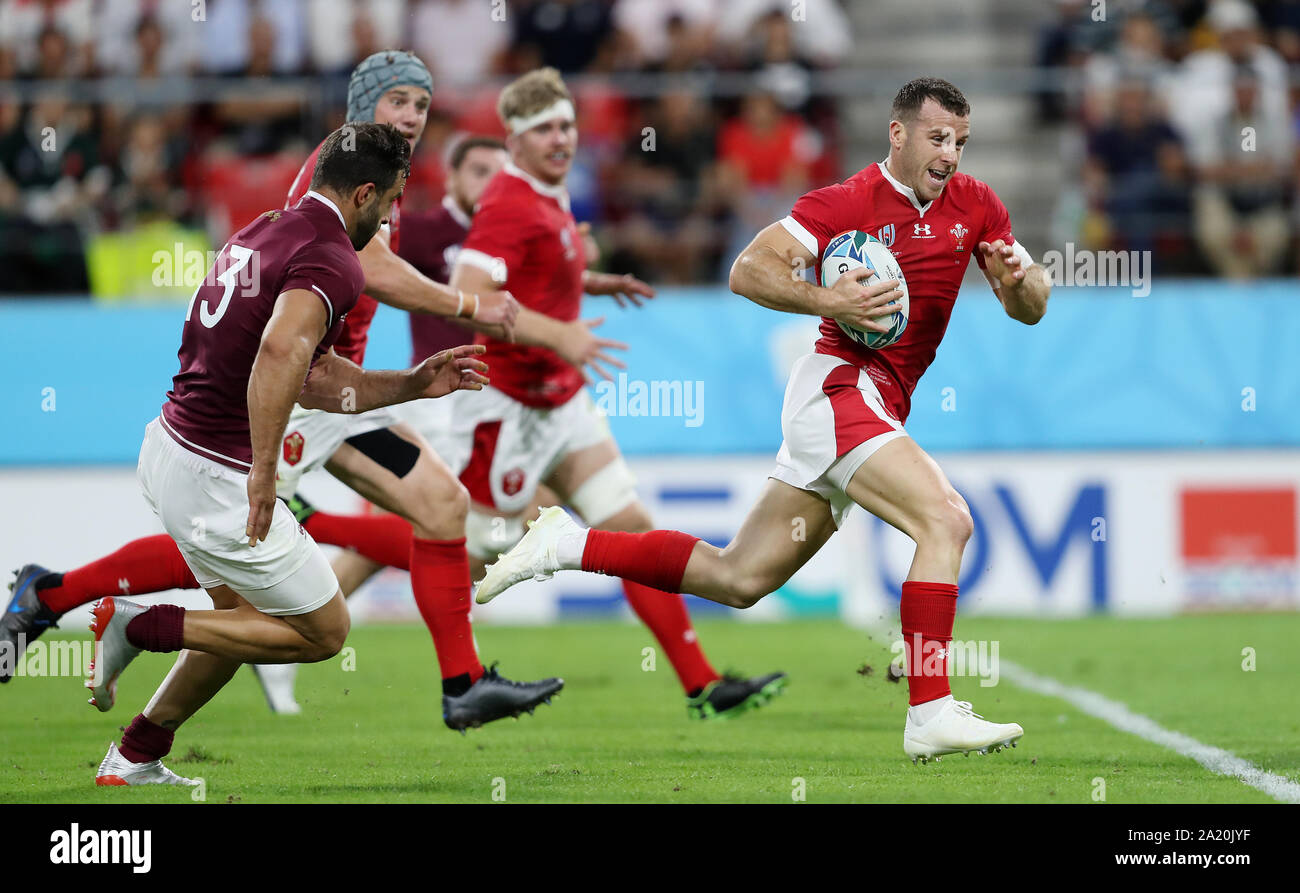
352, 342
933, 242
306, 247
524, 235
433, 241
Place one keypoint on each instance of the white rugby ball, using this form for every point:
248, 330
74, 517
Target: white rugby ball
854, 250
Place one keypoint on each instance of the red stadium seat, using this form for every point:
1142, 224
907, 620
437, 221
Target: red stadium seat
235, 190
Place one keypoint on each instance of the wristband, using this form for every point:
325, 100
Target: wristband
460, 302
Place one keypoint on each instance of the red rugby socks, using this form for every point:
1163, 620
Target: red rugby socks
383, 538
665, 614
928, 611
441, 584
656, 559
149, 564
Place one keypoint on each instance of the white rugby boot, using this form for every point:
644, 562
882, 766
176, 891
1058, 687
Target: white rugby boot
112, 651
118, 770
277, 684
955, 728
533, 557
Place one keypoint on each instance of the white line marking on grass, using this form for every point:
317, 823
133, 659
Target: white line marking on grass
1121, 717
1113, 713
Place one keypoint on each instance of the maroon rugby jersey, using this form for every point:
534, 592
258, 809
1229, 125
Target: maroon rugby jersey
306, 247
352, 340
432, 242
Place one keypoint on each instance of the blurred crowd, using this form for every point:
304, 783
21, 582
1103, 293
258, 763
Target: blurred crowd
118, 116
1187, 119
670, 182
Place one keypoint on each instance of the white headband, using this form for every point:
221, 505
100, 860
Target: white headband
561, 108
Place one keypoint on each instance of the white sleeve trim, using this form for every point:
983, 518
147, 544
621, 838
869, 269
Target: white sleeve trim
797, 229
328, 303
493, 266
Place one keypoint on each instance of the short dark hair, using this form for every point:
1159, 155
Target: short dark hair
914, 93
360, 153
470, 143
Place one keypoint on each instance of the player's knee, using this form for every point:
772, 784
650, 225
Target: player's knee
745, 590
329, 641
949, 522
437, 501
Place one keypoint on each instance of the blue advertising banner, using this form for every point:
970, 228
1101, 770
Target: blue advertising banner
1194, 364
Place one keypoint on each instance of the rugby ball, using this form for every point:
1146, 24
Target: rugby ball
854, 250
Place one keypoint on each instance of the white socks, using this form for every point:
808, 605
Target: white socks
923, 713
569, 549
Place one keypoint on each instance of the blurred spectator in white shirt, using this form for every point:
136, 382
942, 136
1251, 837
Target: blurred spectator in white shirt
460, 40
822, 32
1202, 90
1243, 163
342, 32
224, 37
121, 47
1139, 55
22, 23
647, 21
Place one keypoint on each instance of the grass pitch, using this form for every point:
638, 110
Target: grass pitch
619, 733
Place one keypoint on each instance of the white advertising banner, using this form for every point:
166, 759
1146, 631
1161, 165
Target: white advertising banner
1056, 534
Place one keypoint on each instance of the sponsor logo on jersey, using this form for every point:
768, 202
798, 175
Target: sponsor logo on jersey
921, 231
885, 235
513, 481
293, 445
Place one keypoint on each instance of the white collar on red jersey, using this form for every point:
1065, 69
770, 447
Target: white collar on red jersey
559, 193
333, 207
456, 211
905, 191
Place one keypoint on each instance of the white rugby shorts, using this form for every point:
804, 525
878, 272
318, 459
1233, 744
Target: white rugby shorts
203, 506
832, 420
313, 436
500, 448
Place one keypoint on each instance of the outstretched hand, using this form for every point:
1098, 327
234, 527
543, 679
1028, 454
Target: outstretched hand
1002, 263
454, 369
585, 350
625, 289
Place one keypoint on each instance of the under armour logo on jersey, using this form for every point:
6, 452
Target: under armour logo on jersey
566, 239
920, 229
125, 585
